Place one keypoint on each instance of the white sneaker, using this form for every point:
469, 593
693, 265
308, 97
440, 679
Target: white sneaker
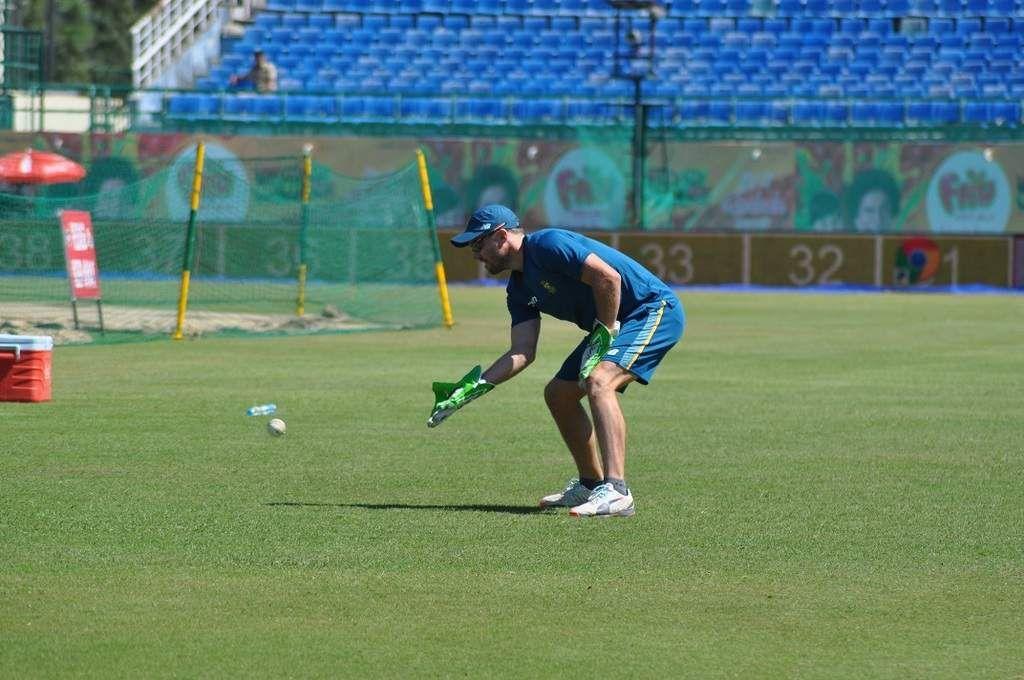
605, 501
573, 494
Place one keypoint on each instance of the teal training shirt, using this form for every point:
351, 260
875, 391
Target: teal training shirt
550, 280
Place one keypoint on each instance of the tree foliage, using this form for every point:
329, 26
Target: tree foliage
86, 41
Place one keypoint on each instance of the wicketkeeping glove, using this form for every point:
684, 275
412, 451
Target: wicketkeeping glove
598, 343
450, 397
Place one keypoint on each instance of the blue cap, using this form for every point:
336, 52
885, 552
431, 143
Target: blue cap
484, 221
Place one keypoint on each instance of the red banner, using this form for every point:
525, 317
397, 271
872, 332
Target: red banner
80, 254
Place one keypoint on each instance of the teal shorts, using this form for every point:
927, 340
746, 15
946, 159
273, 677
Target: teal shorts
645, 336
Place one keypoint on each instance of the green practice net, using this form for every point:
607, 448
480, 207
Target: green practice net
367, 245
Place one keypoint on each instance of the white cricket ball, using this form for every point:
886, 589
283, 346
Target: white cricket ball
276, 427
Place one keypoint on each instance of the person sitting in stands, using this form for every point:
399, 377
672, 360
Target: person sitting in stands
262, 75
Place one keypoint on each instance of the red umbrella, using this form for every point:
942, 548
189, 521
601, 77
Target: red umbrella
38, 167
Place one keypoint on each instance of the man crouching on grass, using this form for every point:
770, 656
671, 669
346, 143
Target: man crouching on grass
632, 320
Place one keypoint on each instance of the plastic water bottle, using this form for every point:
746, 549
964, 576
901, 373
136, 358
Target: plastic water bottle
261, 410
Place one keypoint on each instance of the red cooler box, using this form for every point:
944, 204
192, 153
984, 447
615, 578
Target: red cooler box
25, 367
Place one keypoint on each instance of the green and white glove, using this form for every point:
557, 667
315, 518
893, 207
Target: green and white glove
450, 397
598, 343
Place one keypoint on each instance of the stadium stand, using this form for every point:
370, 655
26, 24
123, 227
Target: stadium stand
860, 63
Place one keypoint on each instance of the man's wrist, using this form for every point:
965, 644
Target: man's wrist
613, 330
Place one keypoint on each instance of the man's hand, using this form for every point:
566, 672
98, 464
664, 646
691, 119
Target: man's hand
450, 397
598, 343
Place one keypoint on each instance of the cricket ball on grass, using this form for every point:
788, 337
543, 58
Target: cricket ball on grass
276, 427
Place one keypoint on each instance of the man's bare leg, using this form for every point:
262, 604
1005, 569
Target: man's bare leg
563, 398
609, 423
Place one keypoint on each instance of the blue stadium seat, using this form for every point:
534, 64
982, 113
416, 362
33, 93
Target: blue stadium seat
588, 111
487, 111
918, 113
945, 113
941, 26
968, 25
321, 21
352, 109
194, 106
433, 110
890, 113
863, 113
872, 8
951, 8
776, 25
378, 109
250, 107
693, 112
976, 112
293, 21
1006, 113
720, 112
310, 109
843, 7
374, 22
789, 8
539, 111
661, 115
836, 112
455, 22
808, 112
751, 113
266, 20
683, 7
469, 7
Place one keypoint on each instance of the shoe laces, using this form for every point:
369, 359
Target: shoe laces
602, 492
573, 483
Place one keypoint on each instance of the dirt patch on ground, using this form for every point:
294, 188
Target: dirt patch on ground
58, 321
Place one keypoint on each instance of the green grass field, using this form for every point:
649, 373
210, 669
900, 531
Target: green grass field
827, 486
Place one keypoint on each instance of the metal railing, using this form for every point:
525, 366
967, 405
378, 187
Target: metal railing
166, 32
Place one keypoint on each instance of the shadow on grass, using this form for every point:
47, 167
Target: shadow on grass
509, 509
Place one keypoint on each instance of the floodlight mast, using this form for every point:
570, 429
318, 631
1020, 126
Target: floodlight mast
640, 65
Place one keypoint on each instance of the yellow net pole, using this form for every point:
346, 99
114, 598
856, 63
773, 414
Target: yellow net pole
190, 241
428, 203
307, 173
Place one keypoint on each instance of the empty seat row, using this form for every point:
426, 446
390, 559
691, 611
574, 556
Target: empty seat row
866, 8
574, 7
666, 26
724, 112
